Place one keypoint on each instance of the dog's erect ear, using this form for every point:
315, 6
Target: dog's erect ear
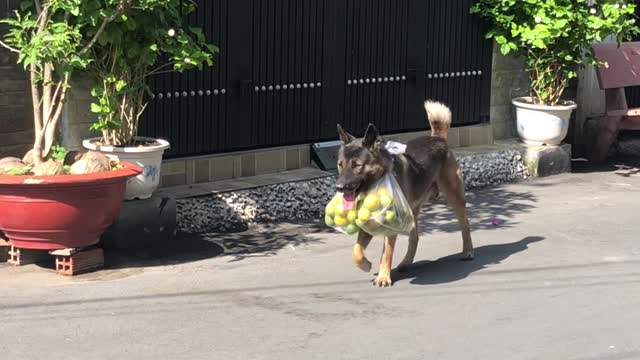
370, 136
345, 137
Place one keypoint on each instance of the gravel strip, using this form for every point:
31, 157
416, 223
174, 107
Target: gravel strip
236, 211
482, 170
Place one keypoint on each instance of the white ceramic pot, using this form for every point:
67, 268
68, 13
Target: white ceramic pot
541, 124
149, 158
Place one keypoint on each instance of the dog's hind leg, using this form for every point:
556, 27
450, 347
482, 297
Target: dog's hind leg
384, 274
358, 251
450, 181
411, 249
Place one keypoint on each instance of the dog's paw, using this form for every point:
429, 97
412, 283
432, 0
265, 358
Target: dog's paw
364, 265
382, 280
359, 259
467, 256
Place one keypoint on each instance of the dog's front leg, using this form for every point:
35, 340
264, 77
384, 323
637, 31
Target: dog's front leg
358, 251
384, 274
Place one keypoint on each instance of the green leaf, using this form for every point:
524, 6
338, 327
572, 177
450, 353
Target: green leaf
121, 84
505, 49
96, 91
95, 108
20, 171
539, 43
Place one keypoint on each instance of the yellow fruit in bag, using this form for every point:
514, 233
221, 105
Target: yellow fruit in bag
351, 216
340, 220
351, 229
385, 200
372, 202
383, 191
364, 214
328, 220
390, 216
339, 210
330, 209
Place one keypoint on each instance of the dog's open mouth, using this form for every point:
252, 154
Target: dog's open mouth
349, 200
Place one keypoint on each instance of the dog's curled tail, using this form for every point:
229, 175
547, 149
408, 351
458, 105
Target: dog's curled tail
439, 118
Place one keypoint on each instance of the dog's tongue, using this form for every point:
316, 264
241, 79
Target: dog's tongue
348, 202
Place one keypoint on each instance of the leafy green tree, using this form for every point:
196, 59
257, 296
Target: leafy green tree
554, 36
150, 38
54, 38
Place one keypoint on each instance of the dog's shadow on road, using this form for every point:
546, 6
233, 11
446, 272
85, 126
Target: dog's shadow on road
490, 208
450, 268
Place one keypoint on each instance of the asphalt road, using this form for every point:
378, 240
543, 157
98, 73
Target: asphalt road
556, 276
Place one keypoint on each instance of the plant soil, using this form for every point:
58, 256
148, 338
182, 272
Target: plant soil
74, 163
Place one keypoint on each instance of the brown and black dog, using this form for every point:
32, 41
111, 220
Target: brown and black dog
426, 166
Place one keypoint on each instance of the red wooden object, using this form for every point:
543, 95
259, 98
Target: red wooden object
63, 211
621, 69
622, 64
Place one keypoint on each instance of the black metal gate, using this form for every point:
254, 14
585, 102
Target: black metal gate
290, 70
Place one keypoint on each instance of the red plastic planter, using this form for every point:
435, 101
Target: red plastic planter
62, 211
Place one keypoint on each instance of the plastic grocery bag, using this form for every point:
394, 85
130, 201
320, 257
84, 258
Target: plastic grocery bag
384, 209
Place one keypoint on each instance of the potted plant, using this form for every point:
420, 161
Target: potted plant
554, 37
148, 41
51, 199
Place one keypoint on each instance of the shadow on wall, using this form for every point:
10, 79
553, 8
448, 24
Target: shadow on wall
488, 208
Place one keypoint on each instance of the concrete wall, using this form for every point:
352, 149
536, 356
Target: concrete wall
77, 116
203, 169
16, 111
16, 116
591, 102
509, 80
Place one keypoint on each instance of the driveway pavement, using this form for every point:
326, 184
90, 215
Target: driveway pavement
556, 276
